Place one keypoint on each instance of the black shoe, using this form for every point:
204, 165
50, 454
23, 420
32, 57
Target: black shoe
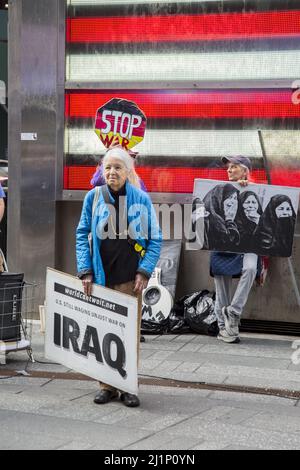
130, 400
142, 339
104, 396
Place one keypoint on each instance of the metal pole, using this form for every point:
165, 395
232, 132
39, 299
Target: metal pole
263, 150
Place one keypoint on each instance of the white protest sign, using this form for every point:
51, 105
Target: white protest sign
95, 335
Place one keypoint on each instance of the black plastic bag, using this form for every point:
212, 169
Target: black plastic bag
199, 313
177, 323
151, 327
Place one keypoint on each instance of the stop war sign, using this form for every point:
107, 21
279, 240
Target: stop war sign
120, 121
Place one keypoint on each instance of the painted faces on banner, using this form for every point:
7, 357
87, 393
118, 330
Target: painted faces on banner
120, 121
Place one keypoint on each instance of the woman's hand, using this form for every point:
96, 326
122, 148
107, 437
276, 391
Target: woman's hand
230, 213
230, 209
252, 215
140, 283
243, 182
87, 282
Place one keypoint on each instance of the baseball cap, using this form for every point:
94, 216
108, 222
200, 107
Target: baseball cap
239, 160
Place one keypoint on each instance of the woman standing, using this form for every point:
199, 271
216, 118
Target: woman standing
275, 231
123, 214
249, 213
221, 205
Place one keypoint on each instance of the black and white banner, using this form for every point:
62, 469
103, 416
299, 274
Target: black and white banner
258, 218
95, 335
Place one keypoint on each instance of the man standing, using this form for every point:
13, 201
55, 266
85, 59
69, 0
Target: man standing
229, 309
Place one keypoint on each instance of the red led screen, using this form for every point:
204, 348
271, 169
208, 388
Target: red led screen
200, 104
159, 179
164, 28
147, 30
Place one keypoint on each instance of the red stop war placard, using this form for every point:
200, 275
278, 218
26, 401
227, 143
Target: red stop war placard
120, 121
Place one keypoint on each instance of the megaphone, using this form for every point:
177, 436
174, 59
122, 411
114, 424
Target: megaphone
157, 300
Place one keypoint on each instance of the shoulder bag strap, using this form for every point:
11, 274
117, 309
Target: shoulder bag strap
106, 195
95, 200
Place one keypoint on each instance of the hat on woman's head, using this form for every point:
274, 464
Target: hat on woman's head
238, 160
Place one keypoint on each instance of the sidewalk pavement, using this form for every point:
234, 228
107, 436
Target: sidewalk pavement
53, 413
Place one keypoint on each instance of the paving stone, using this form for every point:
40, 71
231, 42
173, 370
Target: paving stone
84, 410
199, 376
67, 430
192, 347
214, 412
164, 440
166, 338
230, 360
173, 391
211, 445
119, 414
148, 364
294, 367
27, 441
48, 368
237, 416
76, 445
239, 434
168, 366
235, 447
180, 443
187, 367
268, 351
8, 388
159, 355
104, 446
163, 346
25, 403
82, 385
24, 381
61, 413
256, 380
184, 405
201, 339
151, 337
185, 338
247, 371
143, 419
273, 421
146, 353
250, 399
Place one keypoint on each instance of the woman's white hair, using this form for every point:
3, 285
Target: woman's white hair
122, 155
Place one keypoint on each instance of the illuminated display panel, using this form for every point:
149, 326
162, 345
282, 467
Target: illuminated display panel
259, 65
188, 129
182, 28
192, 104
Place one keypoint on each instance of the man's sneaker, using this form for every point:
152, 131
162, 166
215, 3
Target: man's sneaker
231, 322
224, 336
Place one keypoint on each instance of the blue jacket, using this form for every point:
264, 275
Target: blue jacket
143, 228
